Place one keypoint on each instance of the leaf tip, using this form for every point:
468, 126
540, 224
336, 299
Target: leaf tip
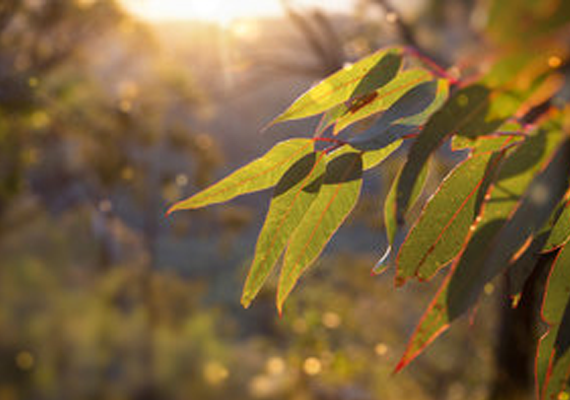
170, 211
246, 301
404, 361
382, 264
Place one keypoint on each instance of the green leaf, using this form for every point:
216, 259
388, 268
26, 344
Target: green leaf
378, 139
514, 177
391, 125
553, 357
525, 264
466, 108
345, 115
470, 113
417, 104
292, 197
338, 196
561, 232
359, 79
440, 231
371, 159
390, 220
260, 174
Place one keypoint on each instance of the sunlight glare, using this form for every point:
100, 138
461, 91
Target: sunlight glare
222, 12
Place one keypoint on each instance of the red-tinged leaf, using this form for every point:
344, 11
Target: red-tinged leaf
390, 217
525, 263
440, 231
492, 142
468, 107
292, 197
553, 355
470, 113
530, 256
338, 196
356, 80
561, 231
453, 298
260, 174
535, 209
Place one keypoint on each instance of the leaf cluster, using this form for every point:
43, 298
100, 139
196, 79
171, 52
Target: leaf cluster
503, 209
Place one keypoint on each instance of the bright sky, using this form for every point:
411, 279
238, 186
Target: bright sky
221, 11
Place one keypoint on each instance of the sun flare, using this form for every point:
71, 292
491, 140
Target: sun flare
218, 11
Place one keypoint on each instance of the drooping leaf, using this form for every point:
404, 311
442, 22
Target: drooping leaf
359, 79
524, 264
292, 197
531, 256
514, 177
260, 174
390, 219
561, 231
469, 113
390, 216
338, 196
466, 108
553, 355
440, 231
532, 214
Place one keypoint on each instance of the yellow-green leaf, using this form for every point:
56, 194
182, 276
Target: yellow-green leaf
338, 196
358, 79
260, 174
291, 199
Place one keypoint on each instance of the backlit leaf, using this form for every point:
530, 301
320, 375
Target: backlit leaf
260, 174
292, 197
390, 220
467, 107
561, 231
453, 299
380, 100
371, 159
359, 79
440, 231
338, 196
553, 355
469, 113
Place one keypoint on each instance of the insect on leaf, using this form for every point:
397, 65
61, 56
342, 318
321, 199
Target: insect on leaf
359, 79
347, 114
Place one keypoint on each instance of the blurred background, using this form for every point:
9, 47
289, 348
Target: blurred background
112, 110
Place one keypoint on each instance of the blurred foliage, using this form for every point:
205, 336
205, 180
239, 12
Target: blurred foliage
104, 120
